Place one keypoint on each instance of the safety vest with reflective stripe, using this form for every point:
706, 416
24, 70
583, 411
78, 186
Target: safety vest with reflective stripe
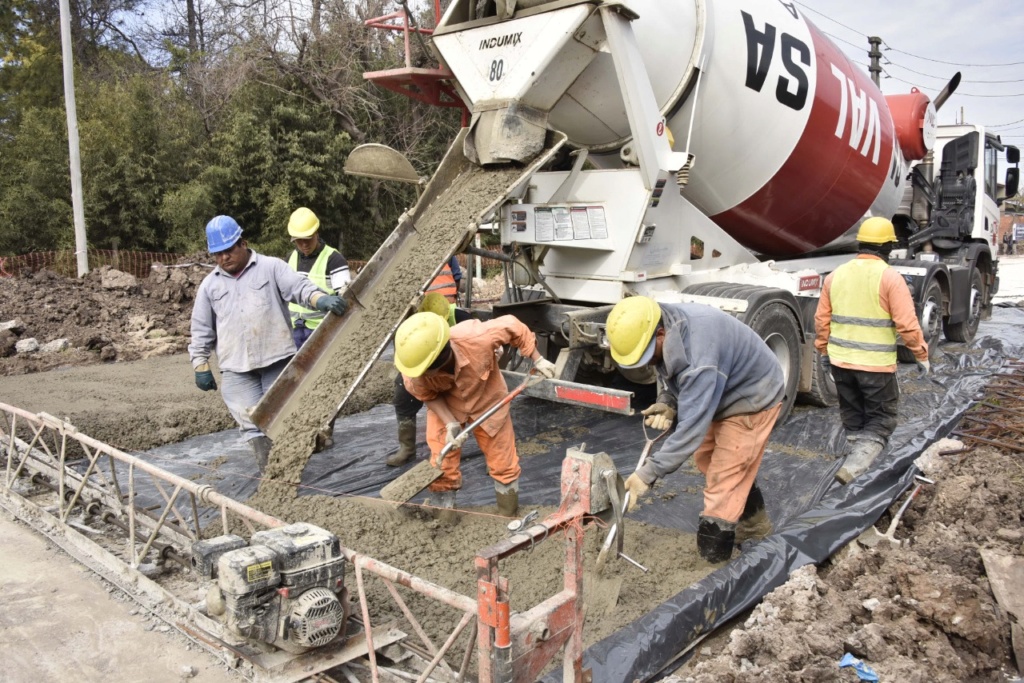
318, 275
861, 331
444, 283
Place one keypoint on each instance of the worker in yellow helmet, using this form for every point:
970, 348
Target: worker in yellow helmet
723, 387
864, 304
406, 405
328, 270
454, 370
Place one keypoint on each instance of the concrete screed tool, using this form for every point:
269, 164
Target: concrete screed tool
405, 487
617, 530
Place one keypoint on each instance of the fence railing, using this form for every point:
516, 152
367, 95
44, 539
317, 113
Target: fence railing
138, 263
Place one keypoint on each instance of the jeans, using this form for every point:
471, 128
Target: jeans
241, 391
868, 402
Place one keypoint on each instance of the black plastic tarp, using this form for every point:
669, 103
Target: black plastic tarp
813, 517
929, 408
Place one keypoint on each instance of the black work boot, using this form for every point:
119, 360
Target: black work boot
715, 538
261, 446
507, 497
754, 522
406, 443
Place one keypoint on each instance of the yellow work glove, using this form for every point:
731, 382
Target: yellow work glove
636, 488
452, 430
659, 416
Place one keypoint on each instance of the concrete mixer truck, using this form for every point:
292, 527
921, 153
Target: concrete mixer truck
720, 152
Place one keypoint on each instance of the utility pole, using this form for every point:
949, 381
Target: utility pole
875, 68
81, 249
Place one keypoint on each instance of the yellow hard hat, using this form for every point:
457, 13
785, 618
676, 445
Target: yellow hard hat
630, 327
435, 302
876, 230
303, 223
418, 343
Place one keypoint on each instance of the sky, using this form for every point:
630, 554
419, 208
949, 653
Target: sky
929, 41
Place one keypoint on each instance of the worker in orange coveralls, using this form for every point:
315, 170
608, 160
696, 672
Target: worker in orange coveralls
724, 388
455, 372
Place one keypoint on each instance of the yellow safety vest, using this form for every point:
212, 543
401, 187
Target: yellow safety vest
318, 275
862, 332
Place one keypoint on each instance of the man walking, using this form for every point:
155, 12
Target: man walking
724, 389
328, 270
454, 370
240, 313
864, 304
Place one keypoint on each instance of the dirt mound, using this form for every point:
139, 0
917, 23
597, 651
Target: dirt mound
923, 611
108, 315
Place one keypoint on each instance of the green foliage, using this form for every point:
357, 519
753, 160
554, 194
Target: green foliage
221, 132
276, 153
35, 186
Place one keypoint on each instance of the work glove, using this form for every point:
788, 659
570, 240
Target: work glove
204, 378
330, 302
924, 367
545, 368
826, 365
452, 436
659, 416
636, 488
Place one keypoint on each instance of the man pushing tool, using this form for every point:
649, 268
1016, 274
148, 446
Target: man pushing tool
455, 372
724, 387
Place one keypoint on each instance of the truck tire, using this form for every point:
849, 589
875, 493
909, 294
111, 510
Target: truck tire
931, 323
778, 327
823, 389
965, 330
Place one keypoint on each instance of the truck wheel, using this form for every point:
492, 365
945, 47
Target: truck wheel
777, 326
823, 389
965, 330
931, 323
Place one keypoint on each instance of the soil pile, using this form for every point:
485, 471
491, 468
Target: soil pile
921, 611
108, 315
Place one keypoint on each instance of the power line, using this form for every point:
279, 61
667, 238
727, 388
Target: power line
946, 78
939, 61
964, 94
1001, 125
893, 49
834, 21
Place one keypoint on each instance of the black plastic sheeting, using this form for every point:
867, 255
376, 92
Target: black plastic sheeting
813, 517
930, 408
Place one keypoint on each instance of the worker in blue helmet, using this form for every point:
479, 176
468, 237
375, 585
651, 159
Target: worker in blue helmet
241, 314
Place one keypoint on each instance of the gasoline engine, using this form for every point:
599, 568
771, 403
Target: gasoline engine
285, 588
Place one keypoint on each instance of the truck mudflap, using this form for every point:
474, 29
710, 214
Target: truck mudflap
574, 393
325, 372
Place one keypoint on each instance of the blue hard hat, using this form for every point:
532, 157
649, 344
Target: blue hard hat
221, 233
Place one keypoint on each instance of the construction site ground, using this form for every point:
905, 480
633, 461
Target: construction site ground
924, 611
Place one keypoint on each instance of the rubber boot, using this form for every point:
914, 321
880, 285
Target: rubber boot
406, 443
261, 446
445, 502
507, 497
715, 539
864, 452
754, 522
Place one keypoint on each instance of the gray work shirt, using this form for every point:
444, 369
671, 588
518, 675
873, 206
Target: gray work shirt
713, 367
245, 318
